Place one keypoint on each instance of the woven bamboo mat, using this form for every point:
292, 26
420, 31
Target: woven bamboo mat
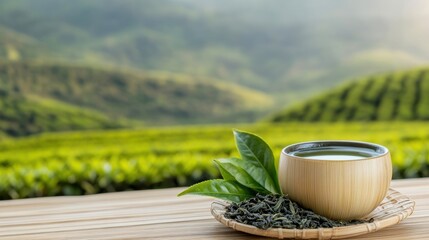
394, 208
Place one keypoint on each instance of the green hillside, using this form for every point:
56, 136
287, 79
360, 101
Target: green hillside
396, 96
21, 115
280, 47
15, 46
154, 98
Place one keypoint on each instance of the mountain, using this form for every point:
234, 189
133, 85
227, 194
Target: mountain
15, 46
156, 98
394, 96
24, 115
287, 49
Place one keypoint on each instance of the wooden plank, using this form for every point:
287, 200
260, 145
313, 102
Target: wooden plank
158, 214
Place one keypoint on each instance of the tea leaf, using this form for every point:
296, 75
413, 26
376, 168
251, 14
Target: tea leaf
243, 178
219, 188
292, 209
225, 173
253, 149
277, 211
246, 173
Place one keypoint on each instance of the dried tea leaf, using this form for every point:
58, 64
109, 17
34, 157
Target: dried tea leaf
276, 211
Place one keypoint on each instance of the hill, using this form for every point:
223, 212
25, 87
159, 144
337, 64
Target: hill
15, 46
282, 48
396, 96
152, 97
20, 115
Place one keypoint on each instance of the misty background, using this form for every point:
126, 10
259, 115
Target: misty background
285, 50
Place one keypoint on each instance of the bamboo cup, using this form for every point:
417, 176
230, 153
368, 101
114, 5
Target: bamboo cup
337, 189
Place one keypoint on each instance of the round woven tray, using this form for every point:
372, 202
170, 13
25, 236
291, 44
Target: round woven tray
394, 208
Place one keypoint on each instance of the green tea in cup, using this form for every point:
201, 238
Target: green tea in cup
341, 180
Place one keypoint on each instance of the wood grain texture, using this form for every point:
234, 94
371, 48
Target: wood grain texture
342, 190
159, 214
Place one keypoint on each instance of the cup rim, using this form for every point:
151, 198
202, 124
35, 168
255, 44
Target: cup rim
320, 143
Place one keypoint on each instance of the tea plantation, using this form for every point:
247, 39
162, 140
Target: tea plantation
115, 160
400, 96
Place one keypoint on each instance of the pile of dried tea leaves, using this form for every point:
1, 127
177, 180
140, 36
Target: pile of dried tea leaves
276, 211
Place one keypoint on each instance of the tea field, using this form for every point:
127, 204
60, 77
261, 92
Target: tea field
89, 162
400, 96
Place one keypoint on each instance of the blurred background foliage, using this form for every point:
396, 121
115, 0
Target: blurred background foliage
111, 77
289, 49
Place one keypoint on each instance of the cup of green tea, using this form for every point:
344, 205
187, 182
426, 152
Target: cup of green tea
341, 180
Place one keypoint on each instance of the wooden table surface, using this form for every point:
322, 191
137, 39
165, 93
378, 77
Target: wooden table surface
159, 214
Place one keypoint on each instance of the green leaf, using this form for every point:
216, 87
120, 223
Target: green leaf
219, 188
253, 149
244, 172
224, 172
